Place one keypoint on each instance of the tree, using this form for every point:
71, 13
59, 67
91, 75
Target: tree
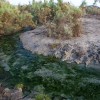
83, 4
95, 1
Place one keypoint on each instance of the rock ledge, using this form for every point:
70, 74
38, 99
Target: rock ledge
82, 50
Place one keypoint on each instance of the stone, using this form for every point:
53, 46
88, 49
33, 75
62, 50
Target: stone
84, 49
67, 56
58, 54
78, 61
16, 94
7, 93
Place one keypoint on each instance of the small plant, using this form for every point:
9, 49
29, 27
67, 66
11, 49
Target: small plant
20, 85
42, 97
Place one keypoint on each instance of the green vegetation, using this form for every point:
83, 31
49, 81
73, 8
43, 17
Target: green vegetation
12, 19
91, 10
42, 97
61, 19
48, 77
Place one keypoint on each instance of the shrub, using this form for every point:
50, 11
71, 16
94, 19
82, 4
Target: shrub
41, 11
77, 26
61, 19
93, 10
65, 22
12, 20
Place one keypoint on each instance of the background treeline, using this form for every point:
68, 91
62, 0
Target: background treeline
61, 19
91, 9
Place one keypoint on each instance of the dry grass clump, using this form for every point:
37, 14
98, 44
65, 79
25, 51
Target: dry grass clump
66, 22
12, 19
44, 15
61, 19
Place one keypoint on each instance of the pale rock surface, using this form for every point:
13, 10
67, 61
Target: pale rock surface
82, 50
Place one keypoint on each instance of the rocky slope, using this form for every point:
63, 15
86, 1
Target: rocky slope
82, 50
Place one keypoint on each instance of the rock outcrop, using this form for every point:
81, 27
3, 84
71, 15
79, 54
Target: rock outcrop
10, 94
81, 50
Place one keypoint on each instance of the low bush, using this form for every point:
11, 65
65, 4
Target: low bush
12, 20
61, 19
65, 22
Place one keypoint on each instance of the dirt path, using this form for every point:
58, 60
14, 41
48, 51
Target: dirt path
84, 49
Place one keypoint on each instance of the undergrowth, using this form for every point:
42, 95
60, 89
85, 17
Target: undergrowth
61, 19
12, 19
47, 77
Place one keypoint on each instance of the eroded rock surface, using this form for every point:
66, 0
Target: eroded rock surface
8, 94
82, 50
